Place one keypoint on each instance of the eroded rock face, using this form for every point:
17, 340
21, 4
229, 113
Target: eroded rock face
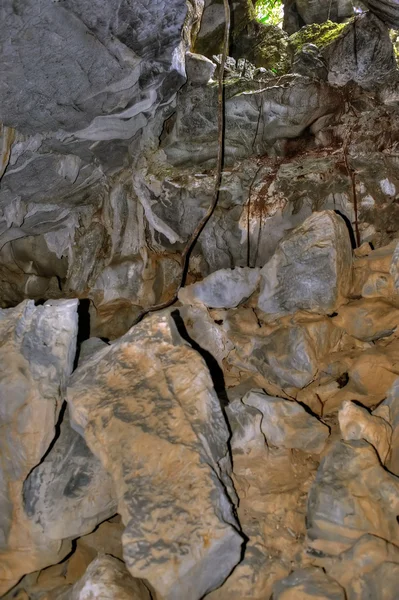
374, 59
311, 268
386, 10
151, 390
37, 353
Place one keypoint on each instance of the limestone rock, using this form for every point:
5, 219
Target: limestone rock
37, 352
368, 319
310, 269
352, 495
199, 69
208, 334
374, 59
286, 424
107, 578
356, 423
386, 10
226, 288
289, 355
272, 486
150, 395
308, 584
369, 569
389, 410
69, 493
255, 120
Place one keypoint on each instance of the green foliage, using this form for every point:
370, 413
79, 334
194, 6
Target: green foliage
269, 12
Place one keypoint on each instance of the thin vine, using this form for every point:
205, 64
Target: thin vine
185, 257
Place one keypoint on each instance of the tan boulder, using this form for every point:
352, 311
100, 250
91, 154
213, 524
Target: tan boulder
148, 410
356, 423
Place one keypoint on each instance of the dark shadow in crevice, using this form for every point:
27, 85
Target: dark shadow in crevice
40, 301
211, 362
342, 380
349, 227
83, 327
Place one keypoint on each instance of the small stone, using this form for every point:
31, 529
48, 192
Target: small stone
308, 584
310, 269
290, 355
286, 424
226, 288
356, 423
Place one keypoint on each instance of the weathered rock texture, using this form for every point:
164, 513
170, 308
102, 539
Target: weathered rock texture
352, 495
150, 395
69, 493
310, 270
37, 350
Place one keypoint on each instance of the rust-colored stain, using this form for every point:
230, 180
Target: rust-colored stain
8, 137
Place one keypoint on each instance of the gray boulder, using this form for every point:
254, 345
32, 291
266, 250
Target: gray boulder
372, 62
106, 578
352, 495
226, 288
310, 269
69, 493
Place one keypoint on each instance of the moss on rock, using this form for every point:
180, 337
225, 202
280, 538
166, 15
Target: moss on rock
319, 34
262, 45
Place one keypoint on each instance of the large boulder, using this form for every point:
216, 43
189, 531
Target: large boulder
373, 59
37, 349
106, 578
148, 410
311, 268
